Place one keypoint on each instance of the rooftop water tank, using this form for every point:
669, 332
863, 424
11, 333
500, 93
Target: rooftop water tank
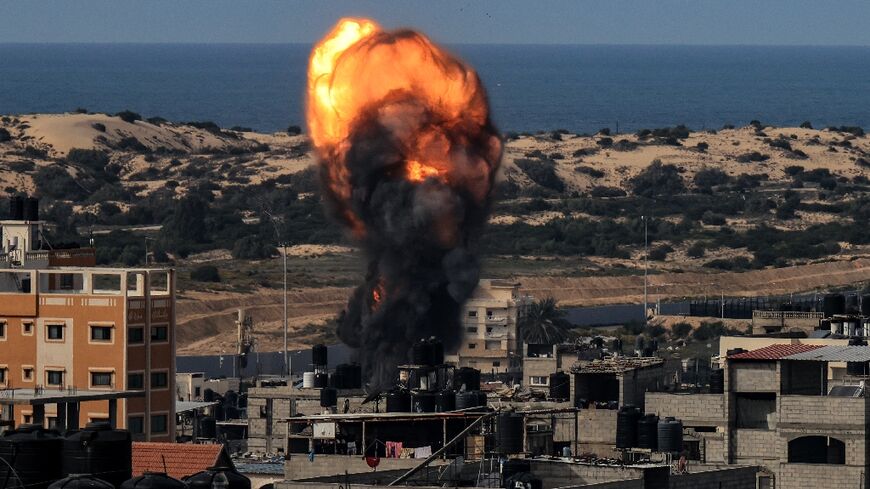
626, 426
153, 480
647, 432
670, 435
205, 479
81, 481
398, 402
319, 355
509, 433
99, 450
34, 453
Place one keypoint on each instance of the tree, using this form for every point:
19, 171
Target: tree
205, 273
658, 179
681, 330
544, 323
186, 225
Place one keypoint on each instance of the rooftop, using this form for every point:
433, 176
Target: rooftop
49, 396
773, 352
835, 353
176, 459
616, 364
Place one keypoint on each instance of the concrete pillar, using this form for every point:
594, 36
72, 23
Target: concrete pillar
61, 416
113, 413
72, 416
38, 413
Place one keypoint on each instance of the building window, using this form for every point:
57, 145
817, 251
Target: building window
67, 281
159, 333
51, 421
496, 364
136, 381
3, 375
471, 329
539, 380
27, 419
27, 328
197, 392
54, 377
136, 425
136, 335
27, 374
2, 330
472, 346
101, 379
158, 423
472, 314
159, 380
101, 333
54, 332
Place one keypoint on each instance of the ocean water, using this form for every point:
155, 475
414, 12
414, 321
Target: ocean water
531, 88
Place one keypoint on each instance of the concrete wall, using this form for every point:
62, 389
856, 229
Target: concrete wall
747, 376
724, 478
819, 476
562, 474
299, 467
692, 409
635, 384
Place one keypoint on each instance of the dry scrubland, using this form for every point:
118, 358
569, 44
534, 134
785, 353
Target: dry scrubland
750, 210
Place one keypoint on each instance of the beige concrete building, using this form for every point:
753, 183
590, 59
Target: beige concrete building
67, 326
490, 319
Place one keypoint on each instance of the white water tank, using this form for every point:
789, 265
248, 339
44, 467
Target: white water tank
308, 380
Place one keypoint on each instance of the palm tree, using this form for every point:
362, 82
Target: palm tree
544, 323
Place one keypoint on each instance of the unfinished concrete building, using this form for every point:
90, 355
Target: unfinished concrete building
781, 410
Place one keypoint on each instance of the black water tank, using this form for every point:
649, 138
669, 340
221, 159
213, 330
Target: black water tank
99, 450
421, 353
467, 376
437, 351
153, 480
337, 379
445, 401
208, 395
717, 381
865, 305
204, 479
16, 208
560, 386
81, 481
670, 435
647, 432
424, 402
207, 427
31, 209
321, 380
515, 466
328, 397
398, 402
319, 355
834, 304
468, 399
626, 426
354, 376
509, 433
35, 455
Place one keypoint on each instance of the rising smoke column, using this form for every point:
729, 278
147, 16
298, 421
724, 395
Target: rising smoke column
408, 157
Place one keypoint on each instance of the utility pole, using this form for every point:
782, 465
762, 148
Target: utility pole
645, 267
287, 369
146, 249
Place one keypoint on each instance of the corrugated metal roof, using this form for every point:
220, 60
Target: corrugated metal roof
835, 353
773, 352
185, 406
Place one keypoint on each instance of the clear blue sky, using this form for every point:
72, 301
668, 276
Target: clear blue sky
761, 22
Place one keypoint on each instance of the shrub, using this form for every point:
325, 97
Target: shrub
606, 192
241, 129
854, 130
588, 170
604, 131
99, 126
584, 152
252, 248
708, 331
130, 143
793, 170
4, 135
129, 116
863, 162
55, 182
713, 219
605, 142
702, 146
22, 166
753, 156
707, 178
294, 130
781, 143
542, 172
80, 110
681, 330
157, 121
658, 179
625, 145
806, 125
696, 250
660, 253
205, 273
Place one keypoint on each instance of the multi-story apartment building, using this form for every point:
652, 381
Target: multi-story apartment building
66, 325
490, 319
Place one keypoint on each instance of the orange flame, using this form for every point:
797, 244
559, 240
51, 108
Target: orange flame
360, 70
